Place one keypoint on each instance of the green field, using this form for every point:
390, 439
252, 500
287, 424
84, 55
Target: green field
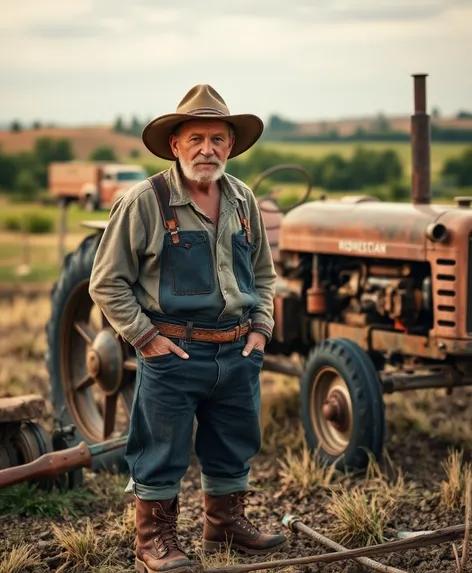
440, 152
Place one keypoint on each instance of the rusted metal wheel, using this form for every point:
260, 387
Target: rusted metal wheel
342, 408
92, 369
30, 441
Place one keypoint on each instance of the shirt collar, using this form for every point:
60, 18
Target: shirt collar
180, 196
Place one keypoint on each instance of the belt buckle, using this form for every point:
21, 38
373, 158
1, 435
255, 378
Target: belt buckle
237, 333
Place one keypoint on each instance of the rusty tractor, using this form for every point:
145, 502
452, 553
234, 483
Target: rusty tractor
369, 298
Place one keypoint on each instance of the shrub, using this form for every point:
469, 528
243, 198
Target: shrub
38, 223
12, 223
33, 222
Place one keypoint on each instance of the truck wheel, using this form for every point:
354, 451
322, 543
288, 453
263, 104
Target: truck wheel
92, 371
342, 408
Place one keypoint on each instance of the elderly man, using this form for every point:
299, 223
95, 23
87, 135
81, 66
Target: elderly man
184, 273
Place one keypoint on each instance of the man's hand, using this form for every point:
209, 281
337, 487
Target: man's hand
255, 340
160, 346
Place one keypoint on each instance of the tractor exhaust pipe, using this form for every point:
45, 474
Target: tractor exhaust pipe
420, 142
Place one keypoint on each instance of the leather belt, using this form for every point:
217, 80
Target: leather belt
203, 334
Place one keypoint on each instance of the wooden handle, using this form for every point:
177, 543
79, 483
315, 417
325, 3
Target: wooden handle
48, 465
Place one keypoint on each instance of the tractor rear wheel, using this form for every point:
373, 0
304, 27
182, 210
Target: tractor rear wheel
92, 370
342, 408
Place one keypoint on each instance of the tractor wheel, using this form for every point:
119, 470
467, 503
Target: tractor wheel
92, 370
342, 408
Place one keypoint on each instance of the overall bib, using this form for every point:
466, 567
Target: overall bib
216, 384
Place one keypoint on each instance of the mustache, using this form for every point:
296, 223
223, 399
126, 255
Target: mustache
200, 160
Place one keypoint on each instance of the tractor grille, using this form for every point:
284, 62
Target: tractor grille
446, 282
469, 286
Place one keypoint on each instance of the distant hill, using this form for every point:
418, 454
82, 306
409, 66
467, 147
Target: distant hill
84, 140
347, 126
380, 127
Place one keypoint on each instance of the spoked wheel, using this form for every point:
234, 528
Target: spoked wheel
92, 369
342, 408
97, 371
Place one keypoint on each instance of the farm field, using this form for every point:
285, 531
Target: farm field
418, 486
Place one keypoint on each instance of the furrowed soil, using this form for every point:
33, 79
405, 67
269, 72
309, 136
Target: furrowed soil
91, 528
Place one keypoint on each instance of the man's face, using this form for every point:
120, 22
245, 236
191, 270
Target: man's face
203, 147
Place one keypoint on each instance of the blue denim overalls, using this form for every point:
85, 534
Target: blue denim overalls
217, 385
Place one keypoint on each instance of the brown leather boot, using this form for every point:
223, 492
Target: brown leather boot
157, 546
226, 525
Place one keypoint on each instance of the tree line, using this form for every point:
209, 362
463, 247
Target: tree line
25, 173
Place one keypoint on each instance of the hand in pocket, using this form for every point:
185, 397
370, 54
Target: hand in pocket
161, 346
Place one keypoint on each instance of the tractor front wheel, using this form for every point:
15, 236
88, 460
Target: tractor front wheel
342, 409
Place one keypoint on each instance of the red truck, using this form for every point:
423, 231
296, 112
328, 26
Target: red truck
94, 185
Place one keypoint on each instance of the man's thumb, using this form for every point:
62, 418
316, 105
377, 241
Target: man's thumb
247, 349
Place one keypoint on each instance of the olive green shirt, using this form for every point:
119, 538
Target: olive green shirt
125, 277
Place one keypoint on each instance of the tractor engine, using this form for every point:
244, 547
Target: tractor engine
362, 292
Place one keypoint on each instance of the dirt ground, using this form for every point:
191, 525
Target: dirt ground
414, 491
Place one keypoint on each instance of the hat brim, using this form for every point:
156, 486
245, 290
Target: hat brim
248, 129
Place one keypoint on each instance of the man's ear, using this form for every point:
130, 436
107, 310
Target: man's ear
173, 142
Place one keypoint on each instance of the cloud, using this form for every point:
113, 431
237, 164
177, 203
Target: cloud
110, 18
304, 58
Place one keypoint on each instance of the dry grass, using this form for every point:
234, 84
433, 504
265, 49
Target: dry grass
24, 312
81, 550
421, 410
122, 527
228, 557
301, 473
221, 559
20, 559
358, 517
388, 485
363, 511
453, 489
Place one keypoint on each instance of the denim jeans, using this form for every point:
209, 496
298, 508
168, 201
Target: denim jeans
217, 386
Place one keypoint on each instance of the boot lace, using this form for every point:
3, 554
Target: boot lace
166, 531
238, 511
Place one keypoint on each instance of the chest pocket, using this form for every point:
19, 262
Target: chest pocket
189, 263
242, 262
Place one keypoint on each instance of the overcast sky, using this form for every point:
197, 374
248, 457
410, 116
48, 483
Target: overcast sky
86, 61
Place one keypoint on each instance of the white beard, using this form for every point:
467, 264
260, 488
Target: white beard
202, 175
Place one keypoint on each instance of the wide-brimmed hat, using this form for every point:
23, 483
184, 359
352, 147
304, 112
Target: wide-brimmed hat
204, 102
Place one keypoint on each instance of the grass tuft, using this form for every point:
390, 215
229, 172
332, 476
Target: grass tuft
453, 489
81, 550
20, 559
358, 518
303, 472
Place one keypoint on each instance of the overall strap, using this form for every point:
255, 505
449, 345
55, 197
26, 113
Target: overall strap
168, 214
244, 222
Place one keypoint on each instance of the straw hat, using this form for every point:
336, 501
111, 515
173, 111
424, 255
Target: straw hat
202, 101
